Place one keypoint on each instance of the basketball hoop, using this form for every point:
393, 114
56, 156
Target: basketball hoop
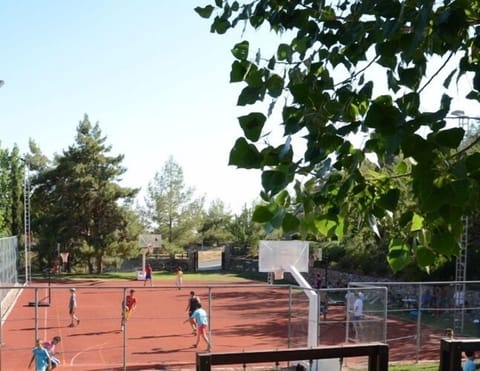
64, 256
278, 275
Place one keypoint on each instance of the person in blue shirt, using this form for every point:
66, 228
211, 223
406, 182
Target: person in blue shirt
469, 364
41, 357
200, 317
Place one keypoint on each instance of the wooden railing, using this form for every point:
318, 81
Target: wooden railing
451, 352
377, 356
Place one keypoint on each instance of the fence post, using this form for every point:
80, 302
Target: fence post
36, 313
419, 323
289, 316
125, 326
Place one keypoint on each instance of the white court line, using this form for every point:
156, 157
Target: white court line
72, 361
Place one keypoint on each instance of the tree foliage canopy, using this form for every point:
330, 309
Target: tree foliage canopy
351, 67
172, 209
77, 200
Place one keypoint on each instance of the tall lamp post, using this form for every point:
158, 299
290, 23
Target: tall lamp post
26, 213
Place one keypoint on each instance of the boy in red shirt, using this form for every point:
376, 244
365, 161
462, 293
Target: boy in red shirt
128, 306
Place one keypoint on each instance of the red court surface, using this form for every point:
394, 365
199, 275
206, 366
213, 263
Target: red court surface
246, 317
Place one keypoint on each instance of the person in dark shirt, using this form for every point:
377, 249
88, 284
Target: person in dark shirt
193, 304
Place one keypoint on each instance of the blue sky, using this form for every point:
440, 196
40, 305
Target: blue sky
150, 72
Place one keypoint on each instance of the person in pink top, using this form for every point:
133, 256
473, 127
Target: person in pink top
50, 346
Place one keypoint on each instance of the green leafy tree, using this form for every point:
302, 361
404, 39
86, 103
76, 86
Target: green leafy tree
78, 201
11, 192
246, 232
172, 209
349, 67
215, 227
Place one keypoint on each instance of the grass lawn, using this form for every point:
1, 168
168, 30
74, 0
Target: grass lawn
414, 367
208, 276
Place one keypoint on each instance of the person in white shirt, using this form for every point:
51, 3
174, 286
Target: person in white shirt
357, 313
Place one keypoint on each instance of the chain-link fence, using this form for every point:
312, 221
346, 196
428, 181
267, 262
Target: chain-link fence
241, 318
420, 313
8, 270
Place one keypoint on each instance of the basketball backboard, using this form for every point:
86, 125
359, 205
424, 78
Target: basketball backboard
150, 240
279, 256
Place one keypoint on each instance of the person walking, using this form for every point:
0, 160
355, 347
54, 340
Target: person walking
50, 346
148, 275
192, 305
201, 320
72, 308
179, 278
41, 357
128, 306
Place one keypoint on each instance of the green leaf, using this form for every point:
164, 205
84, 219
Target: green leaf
341, 228
425, 256
398, 255
290, 223
275, 86
220, 25
262, 214
402, 167
389, 200
240, 50
205, 12
444, 243
274, 181
252, 125
283, 198
284, 52
473, 162
245, 155
249, 95
325, 226
409, 77
417, 223
238, 71
383, 116
415, 146
450, 138
409, 103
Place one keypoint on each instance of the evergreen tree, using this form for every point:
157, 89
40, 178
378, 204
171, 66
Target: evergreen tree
171, 208
81, 199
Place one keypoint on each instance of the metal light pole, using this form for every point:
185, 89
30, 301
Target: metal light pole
26, 212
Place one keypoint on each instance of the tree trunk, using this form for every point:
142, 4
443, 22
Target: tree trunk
99, 261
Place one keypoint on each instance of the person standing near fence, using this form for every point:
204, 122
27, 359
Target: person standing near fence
72, 308
193, 304
148, 275
201, 320
128, 306
41, 357
358, 313
179, 278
